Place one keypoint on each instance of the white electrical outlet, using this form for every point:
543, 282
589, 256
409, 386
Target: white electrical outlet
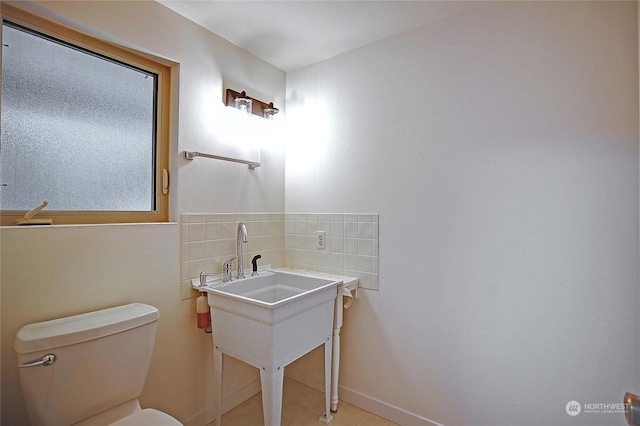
321, 240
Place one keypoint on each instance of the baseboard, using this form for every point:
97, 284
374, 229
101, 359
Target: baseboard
373, 405
241, 395
383, 409
228, 403
204, 417
364, 401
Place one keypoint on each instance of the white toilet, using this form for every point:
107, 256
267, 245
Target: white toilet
101, 362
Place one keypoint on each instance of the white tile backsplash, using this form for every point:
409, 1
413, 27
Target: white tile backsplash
351, 244
209, 239
282, 239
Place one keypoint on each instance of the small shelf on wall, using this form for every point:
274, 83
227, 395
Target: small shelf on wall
190, 155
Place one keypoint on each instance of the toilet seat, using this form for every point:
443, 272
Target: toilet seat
148, 417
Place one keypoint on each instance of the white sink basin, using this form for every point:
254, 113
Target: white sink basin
269, 298
269, 321
270, 288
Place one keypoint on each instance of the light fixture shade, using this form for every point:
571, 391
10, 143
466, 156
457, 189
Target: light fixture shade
244, 103
269, 111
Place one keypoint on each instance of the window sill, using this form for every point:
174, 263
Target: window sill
90, 225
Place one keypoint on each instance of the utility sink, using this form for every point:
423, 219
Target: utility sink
269, 321
274, 288
271, 289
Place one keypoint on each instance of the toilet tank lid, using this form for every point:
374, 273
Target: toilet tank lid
81, 328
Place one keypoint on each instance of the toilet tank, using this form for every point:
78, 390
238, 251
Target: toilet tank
102, 359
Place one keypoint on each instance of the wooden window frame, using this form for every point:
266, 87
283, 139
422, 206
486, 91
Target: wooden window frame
137, 59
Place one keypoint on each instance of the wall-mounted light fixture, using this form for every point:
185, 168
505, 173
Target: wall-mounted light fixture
269, 111
243, 102
250, 105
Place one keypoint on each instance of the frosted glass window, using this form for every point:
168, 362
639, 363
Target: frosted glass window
78, 129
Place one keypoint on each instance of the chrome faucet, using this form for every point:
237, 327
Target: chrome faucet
241, 238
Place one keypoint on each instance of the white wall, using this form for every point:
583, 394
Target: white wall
507, 193
47, 273
208, 65
65, 270
500, 148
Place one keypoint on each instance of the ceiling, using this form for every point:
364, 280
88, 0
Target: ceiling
293, 34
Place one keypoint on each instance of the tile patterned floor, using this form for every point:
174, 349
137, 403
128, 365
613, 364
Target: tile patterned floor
301, 406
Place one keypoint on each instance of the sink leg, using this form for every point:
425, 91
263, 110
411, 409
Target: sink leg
335, 369
327, 417
271, 384
217, 383
337, 324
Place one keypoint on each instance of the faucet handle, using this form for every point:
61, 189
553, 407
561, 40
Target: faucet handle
226, 269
